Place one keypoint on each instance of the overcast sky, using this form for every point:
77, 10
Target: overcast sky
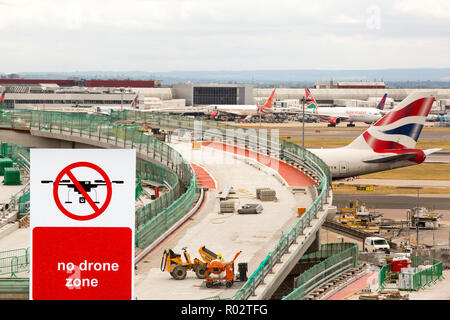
169, 35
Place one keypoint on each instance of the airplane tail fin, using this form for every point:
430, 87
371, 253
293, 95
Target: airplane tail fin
399, 128
268, 104
134, 103
310, 101
2, 98
270, 100
382, 102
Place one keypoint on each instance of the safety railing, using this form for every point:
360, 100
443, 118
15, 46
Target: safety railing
326, 250
324, 271
269, 144
21, 157
102, 130
174, 171
14, 285
14, 261
423, 272
282, 247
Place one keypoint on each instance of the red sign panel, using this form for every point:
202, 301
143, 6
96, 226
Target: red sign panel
89, 263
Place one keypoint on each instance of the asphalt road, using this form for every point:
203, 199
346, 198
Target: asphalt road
393, 201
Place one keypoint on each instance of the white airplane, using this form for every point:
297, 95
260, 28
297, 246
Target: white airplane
388, 144
241, 111
335, 115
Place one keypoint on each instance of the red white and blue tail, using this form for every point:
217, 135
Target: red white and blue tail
399, 128
382, 102
2, 97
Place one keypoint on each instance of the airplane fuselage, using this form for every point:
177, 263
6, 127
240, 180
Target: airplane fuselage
235, 109
349, 114
346, 162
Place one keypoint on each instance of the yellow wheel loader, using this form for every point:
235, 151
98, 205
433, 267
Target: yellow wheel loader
174, 264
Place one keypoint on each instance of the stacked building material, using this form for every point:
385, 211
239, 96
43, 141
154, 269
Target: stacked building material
266, 194
227, 206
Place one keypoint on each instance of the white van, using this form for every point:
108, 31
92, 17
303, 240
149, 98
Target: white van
376, 244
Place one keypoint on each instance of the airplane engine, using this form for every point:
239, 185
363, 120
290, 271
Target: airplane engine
214, 115
334, 121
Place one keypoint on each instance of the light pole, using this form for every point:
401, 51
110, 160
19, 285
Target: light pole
121, 99
414, 218
303, 126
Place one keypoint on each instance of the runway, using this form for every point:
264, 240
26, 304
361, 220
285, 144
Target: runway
383, 201
344, 132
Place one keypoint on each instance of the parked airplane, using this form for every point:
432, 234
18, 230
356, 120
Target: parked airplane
388, 144
241, 111
335, 115
216, 112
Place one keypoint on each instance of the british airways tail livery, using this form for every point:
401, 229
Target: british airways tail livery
388, 144
2, 97
382, 102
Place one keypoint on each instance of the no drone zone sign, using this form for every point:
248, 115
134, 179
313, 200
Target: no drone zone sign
82, 210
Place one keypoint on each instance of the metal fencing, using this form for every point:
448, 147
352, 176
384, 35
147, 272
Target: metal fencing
14, 261
174, 171
424, 272
268, 144
326, 270
103, 129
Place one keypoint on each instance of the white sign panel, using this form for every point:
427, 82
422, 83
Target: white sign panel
82, 220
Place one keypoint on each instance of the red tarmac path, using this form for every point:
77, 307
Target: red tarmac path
352, 288
290, 174
204, 179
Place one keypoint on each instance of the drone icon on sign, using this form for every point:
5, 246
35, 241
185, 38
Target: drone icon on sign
87, 206
88, 186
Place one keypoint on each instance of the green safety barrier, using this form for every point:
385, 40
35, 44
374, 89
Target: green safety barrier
283, 245
325, 270
14, 261
287, 151
424, 276
177, 174
14, 285
149, 221
327, 250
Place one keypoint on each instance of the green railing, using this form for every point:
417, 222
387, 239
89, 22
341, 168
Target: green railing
172, 170
382, 277
282, 149
14, 261
14, 285
326, 270
326, 250
103, 129
21, 157
428, 271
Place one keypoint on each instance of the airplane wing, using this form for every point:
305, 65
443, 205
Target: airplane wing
381, 158
404, 156
328, 117
233, 113
430, 151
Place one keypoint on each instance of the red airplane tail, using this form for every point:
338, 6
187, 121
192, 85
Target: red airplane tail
268, 104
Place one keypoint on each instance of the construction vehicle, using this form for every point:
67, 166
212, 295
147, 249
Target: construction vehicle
218, 272
359, 217
172, 263
422, 218
207, 255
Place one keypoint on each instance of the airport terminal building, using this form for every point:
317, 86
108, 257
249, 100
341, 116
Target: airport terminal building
47, 94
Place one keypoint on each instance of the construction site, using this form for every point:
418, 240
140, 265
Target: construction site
211, 226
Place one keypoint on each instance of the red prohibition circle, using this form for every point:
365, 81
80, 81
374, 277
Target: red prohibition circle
97, 211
